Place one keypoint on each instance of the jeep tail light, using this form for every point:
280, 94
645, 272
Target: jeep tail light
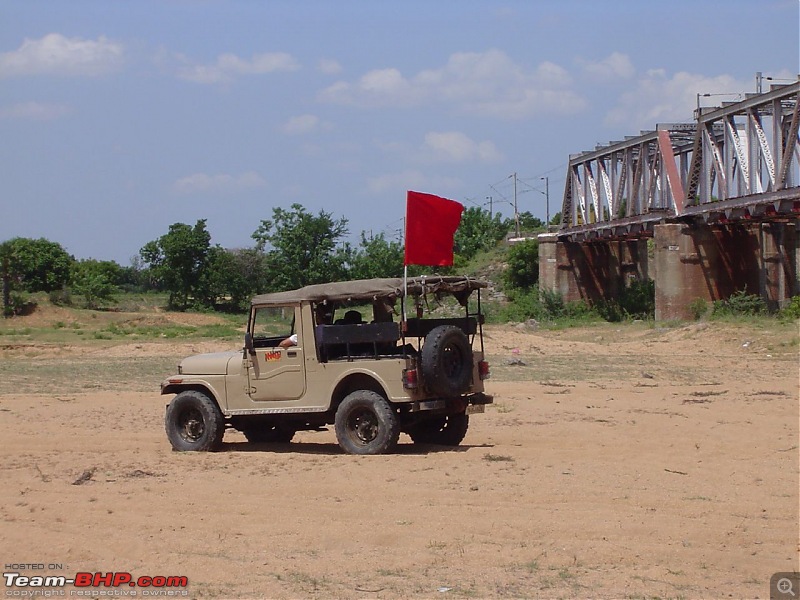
483, 370
410, 380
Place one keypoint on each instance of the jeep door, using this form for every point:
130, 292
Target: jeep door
276, 373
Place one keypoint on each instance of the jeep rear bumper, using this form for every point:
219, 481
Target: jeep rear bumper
454, 404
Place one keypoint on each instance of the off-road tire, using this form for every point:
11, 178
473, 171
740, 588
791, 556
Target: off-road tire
448, 430
269, 434
366, 424
446, 361
194, 422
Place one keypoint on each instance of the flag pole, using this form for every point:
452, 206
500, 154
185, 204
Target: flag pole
405, 293
405, 280
403, 323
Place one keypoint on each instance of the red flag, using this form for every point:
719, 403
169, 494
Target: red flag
431, 223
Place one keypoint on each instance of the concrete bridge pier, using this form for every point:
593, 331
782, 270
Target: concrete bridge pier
590, 271
711, 262
779, 272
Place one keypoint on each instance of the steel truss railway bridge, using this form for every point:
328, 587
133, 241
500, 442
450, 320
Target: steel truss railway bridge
719, 198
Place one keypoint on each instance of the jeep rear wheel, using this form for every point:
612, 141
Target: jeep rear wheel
194, 422
366, 424
447, 361
269, 434
448, 430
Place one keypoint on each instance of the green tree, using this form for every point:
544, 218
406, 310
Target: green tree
478, 231
178, 260
523, 264
233, 277
249, 267
96, 281
35, 265
377, 257
528, 223
301, 248
138, 277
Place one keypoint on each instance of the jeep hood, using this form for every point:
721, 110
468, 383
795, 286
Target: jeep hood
215, 363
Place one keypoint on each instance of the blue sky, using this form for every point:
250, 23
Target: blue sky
119, 118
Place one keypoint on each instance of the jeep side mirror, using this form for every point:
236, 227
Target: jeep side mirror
248, 343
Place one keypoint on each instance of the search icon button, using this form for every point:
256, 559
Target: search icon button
784, 586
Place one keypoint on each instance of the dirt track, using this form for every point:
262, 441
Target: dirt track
616, 463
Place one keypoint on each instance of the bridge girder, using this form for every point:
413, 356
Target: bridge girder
740, 160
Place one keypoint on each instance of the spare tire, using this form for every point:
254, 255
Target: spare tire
447, 361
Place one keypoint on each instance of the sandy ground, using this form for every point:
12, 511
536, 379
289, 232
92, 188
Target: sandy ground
630, 462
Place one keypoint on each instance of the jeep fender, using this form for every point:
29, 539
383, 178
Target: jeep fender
214, 389
360, 379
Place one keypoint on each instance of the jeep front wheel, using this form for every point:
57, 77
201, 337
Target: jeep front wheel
366, 424
194, 422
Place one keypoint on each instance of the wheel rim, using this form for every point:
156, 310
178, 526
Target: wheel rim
191, 425
452, 359
362, 426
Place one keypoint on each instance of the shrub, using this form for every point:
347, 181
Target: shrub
523, 305
553, 303
580, 311
610, 310
636, 301
523, 264
543, 305
740, 303
93, 281
698, 307
61, 297
19, 306
792, 310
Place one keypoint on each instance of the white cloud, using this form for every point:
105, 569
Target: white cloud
660, 98
55, 54
398, 183
380, 87
456, 147
613, 67
485, 84
202, 183
329, 66
34, 111
301, 125
229, 66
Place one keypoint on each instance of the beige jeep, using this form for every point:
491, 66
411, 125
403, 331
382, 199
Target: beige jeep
371, 378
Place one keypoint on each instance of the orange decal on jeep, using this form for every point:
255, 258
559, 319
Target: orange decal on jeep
273, 355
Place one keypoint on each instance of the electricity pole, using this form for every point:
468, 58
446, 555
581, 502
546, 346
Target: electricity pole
547, 199
6, 288
516, 214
